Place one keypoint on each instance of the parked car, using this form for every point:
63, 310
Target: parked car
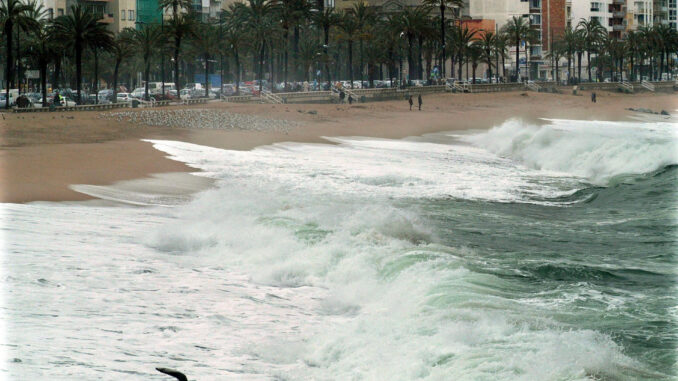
138, 93
123, 97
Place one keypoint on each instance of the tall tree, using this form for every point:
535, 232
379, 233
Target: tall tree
122, 49
592, 33
79, 29
442, 5
258, 18
206, 45
325, 19
349, 32
145, 40
487, 43
12, 12
518, 28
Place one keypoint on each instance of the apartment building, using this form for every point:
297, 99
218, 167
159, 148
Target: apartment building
54, 8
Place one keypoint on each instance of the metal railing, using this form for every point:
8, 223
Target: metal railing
647, 85
531, 85
107, 106
269, 97
626, 86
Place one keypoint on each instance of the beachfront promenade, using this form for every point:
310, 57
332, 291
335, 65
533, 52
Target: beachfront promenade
383, 94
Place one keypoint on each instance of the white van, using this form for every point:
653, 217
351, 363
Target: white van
156, 87
13, 95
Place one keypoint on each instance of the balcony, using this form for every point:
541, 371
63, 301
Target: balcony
618, 28
618, 14
620, 2
107, 18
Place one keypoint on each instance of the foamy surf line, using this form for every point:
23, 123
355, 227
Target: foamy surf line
377, 167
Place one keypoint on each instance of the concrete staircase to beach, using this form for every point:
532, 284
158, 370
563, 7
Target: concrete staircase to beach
531, 85
269, 97
626, 87
647, 86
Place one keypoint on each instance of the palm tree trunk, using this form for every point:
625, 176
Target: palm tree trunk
350, 61
518, 59
361, 62
579, 67
43, 80
177, 46
261, 66
9, 62
286, 53
237, 74
96, 76
474, 73
78, 68
588, 59
295, 51
442, 38
326, 31
410, 57
18, 59
147, 72
460, 62
207, 76
115, 80
420, 60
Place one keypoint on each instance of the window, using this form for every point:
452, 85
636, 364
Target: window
60, 12
672, 14
122, 15
595, 7
672, 3
535, 19
131, 15
535, 4
50, 13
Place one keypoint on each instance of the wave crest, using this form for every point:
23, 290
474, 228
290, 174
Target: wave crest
597, 151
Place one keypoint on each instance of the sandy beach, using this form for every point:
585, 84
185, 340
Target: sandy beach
43, 153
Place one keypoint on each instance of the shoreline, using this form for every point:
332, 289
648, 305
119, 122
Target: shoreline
42, 155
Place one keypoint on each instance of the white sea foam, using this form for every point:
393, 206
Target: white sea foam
300, 264
595, 150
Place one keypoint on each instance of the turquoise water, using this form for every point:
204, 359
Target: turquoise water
520, 253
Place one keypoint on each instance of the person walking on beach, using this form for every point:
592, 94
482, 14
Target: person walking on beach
350, 99
409, 100
342, 95
57, 99
593, 97
419, 101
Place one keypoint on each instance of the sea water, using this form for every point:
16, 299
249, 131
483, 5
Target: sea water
523, 252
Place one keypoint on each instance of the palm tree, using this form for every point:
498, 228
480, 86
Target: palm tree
145, 40
500, 51
234, 37
569, 44
29, 21
326, 19
350, 30
365, 17
259, 22
633, 42
309, 50
179, 27
42, 49
442, 5
462, 38
518, 28
475, 54
206, 44
592, 32
12, 12
122, 50
488, 41
79, 29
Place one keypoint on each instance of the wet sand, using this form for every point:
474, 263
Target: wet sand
42, 154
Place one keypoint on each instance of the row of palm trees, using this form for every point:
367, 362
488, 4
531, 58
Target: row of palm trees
286, 38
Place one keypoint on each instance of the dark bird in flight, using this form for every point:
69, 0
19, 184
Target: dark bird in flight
174, 373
